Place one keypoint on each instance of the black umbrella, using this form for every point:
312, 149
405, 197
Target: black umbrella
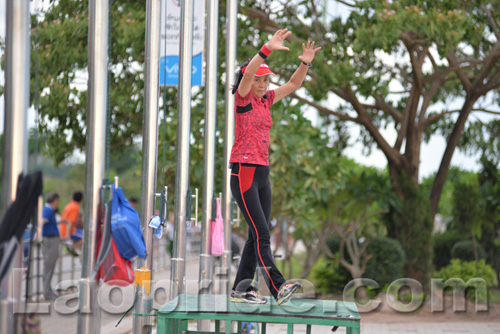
17, 217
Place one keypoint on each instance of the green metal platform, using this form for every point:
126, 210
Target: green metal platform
173, 317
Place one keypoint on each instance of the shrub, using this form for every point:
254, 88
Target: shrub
466, 270
387, 263
442, 245
464, 250
329, 276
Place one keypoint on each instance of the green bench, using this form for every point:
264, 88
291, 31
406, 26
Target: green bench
173, 317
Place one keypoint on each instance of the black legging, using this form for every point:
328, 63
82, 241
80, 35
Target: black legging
252, 190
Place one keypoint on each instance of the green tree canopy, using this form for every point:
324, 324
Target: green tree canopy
59, 73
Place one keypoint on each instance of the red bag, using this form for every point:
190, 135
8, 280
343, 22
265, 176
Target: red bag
116, 270
218, 232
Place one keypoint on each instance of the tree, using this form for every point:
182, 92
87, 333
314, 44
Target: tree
59, 73
304, 175
315, 189
321, 193
395, 64
366, 195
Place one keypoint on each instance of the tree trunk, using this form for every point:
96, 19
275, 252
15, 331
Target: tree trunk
410, 224
360, 294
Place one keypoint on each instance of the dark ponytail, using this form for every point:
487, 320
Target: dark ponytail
239, 76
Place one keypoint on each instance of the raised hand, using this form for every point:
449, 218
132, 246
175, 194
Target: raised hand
276, 42
308, 52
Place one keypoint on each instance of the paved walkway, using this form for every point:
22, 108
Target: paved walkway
56, 323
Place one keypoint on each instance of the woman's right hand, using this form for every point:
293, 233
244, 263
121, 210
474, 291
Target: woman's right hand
276, 42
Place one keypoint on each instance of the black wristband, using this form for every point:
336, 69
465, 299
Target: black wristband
262, 55
308, 65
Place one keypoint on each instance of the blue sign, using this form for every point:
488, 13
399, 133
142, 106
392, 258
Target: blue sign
169, 70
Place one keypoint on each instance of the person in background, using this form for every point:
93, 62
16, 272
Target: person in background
50, 243
69, 218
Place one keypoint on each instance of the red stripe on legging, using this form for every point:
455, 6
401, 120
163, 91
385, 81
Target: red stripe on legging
256, 232
246, 183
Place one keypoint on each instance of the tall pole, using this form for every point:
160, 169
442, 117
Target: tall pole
232, 38
144, 299
15, 160
209, 151
183, 136
89, 317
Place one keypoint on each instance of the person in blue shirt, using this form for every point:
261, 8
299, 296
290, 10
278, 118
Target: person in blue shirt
50, 243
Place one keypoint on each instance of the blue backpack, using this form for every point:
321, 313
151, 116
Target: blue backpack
126, 227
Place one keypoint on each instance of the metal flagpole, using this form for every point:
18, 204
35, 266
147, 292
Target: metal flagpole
144, 299
232, 38
89, 316
15, 160
205, 278
183, 136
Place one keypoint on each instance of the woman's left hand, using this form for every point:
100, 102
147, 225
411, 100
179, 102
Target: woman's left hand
308, 52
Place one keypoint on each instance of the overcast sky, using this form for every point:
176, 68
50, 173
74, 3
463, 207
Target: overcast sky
431, 153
